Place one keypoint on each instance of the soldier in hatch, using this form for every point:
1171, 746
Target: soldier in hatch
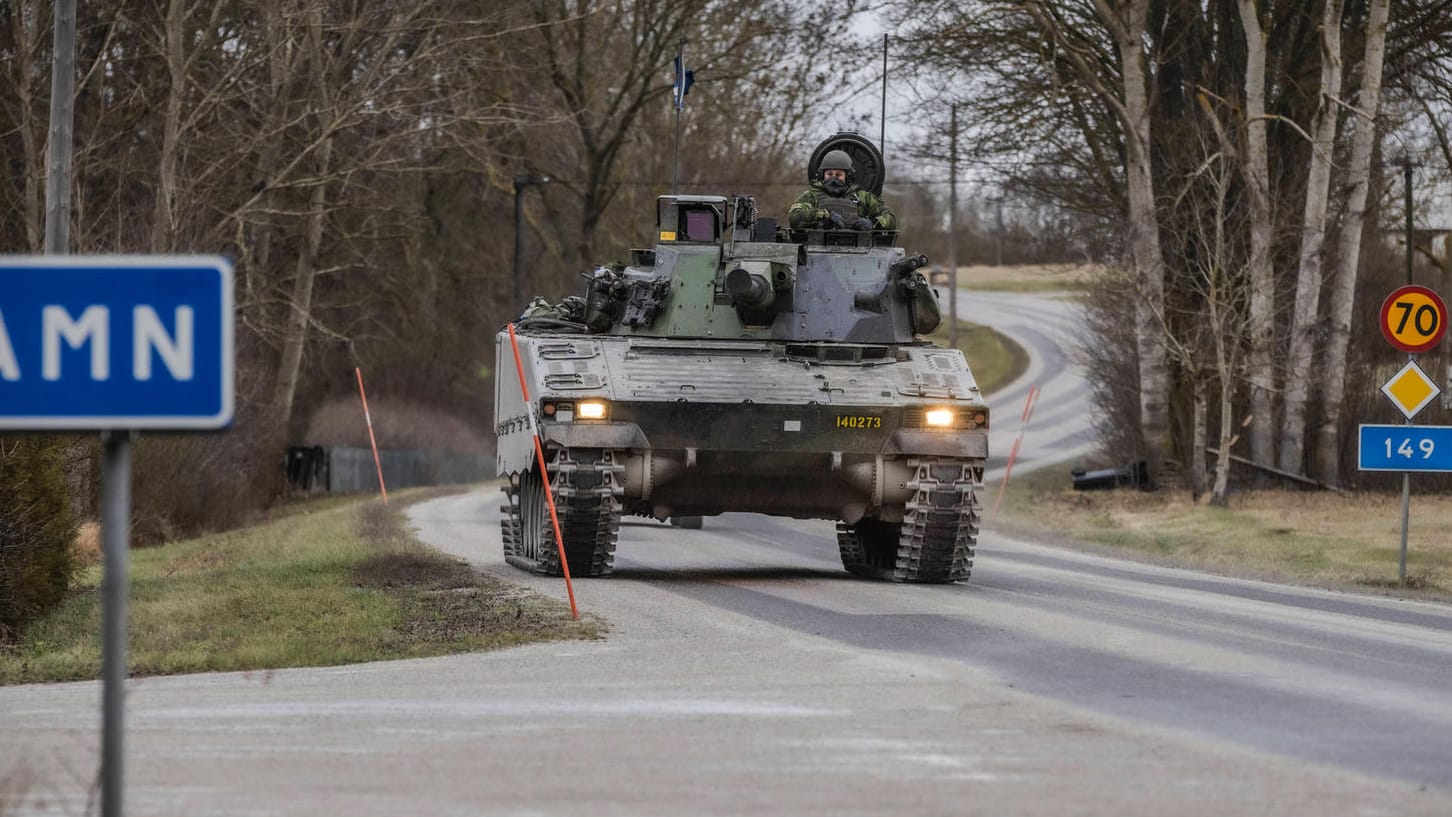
812, 208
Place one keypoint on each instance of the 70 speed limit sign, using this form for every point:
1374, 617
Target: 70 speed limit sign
1413, 319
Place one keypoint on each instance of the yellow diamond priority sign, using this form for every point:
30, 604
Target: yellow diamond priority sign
1410, 389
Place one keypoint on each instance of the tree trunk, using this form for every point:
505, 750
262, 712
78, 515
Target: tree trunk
1262, 274
1197, 446
24, 23
1219, 494
256, 271
1144, 235
1348, 245
163, 226
590, 214
301, 304
1299, 363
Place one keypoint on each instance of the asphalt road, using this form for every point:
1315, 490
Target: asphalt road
745, 673
1059, 430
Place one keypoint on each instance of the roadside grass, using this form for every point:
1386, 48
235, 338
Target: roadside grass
1348, 541
1027, 277
335, 581
994, 359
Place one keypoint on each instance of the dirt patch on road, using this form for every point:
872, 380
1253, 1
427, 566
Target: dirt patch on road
443, 600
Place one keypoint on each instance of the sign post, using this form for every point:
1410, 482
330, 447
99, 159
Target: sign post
1413, 319
116, 558
115, 344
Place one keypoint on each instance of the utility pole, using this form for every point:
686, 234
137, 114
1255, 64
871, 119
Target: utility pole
60, 144
116, 452
1406, 475
1407, 166
521, 181
953, 229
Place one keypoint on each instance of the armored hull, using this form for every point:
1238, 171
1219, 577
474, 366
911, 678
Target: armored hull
736, 368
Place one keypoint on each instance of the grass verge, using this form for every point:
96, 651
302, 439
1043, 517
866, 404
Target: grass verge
1027, 277
1347, 541
994, 359
326, 583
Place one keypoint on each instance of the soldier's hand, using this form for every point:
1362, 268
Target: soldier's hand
861, 223
823, 217
835, 220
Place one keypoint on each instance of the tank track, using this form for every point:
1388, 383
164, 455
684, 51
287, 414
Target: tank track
935, 541
869, 548
587, 490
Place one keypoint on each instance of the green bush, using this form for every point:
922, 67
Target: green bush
36, 530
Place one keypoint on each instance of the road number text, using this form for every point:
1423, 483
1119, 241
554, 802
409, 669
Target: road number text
1425, 446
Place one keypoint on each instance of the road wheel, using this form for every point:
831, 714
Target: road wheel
585, 483
869, 547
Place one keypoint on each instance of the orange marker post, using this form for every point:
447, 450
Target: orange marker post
1028, 410
544, 474
368, 418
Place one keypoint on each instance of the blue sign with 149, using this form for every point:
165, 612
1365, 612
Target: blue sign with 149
1405, 448
115, 342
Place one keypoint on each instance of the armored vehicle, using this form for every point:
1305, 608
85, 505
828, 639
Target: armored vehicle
737, 366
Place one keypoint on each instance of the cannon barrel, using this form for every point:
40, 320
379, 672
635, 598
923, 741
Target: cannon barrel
749, 290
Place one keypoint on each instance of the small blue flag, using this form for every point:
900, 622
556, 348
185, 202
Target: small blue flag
683, 81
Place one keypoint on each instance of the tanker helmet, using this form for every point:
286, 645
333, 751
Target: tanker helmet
837, 160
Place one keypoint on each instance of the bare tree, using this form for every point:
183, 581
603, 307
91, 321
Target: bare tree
1261, 224
26, 24
1348, 245
1035, 76
610, 65
327, 67
1128, 99
1299, 367
1129, 21
366, 107
1226, 303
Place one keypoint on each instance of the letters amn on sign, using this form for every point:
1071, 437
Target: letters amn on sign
115, 342
150, 339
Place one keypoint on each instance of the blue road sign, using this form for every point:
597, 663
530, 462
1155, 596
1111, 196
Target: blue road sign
115, 342
1405, 448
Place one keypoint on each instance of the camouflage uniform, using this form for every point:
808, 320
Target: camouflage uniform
807, 212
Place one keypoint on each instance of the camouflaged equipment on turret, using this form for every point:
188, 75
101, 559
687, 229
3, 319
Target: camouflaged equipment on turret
736, 367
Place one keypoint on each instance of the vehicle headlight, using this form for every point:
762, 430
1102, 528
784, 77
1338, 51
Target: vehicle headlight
939, 418
568, 411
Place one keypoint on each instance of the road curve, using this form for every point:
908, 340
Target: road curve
1059, 430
